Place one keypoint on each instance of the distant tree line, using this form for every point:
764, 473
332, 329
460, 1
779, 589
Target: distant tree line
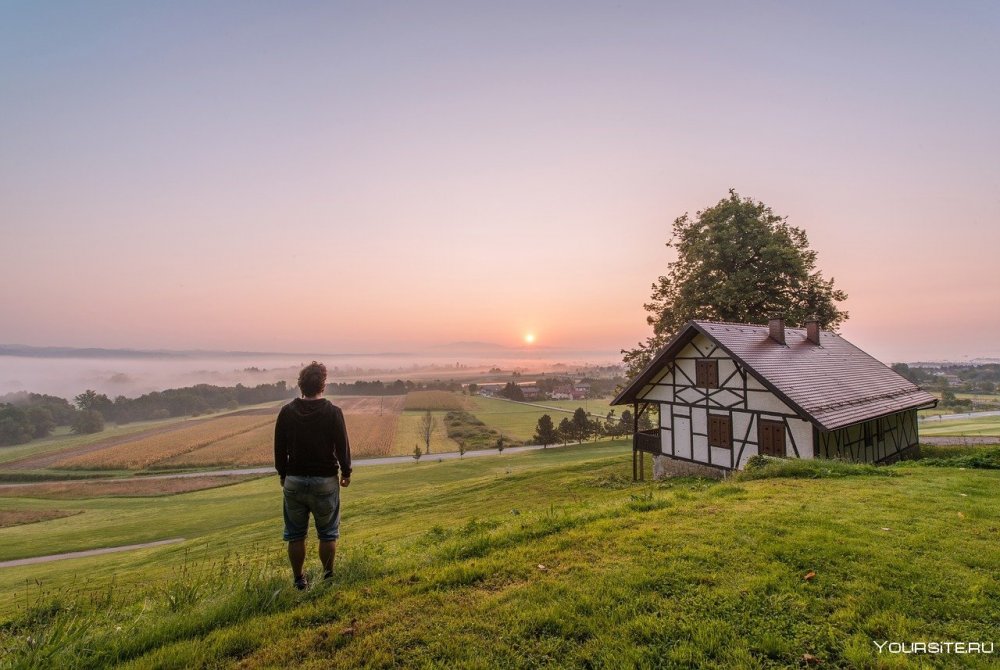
583, 426
27, 416
971, 378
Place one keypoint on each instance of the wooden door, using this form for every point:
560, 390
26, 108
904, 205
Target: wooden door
771, 438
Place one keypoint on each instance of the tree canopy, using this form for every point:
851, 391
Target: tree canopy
545, 431
736, 261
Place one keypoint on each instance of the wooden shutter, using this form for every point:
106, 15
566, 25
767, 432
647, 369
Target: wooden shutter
706, 374
771, 438
720, 431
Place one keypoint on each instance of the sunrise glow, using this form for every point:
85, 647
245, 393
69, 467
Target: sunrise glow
529, 338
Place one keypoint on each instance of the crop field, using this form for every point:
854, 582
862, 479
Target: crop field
372, 435
511, 554
254, 447
435, 401
20, 517
145, 452
389, 404
371, 426
409, 435
120, 488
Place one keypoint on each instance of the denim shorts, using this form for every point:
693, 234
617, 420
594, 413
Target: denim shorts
317, 495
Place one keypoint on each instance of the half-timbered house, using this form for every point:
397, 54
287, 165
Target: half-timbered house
727, 391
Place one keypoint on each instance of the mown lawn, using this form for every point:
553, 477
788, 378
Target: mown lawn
548, 559
519, 420
976, 426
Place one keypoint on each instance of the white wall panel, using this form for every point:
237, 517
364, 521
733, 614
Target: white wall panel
682, 437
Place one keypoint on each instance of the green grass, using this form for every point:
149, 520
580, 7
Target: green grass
519, 420
987, 425
763, 467
983, 458
546, 559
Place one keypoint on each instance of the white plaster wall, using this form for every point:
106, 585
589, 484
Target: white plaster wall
682, 437
767, 402
721, 456
726, 398
802, 430
741, 422
691, 395
700, 449
662, 393
685, 366
699, 420
748, 451
726, 368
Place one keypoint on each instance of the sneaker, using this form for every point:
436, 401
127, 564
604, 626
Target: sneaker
328, 575
302, 583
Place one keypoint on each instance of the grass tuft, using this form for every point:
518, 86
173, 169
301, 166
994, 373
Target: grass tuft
982, 459
764, 467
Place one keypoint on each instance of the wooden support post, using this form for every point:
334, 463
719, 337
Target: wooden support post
635, 475
642, 467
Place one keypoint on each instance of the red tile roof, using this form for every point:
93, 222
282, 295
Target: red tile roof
834, 384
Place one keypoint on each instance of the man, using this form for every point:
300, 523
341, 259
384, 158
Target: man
310, 442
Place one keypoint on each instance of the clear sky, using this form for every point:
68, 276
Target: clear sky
366, 176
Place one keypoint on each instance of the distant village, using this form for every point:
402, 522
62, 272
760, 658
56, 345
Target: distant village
529, 391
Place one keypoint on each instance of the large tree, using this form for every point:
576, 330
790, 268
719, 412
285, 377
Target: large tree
427, 425
545, 431
736, 261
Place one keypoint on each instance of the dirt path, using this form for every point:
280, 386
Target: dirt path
80, 554
269, 470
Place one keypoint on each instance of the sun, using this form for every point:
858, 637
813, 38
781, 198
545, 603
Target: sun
529, 338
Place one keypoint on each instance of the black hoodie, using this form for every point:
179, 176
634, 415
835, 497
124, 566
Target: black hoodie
310, 438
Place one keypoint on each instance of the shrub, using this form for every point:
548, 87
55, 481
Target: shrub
766, 467
983, 459
88, 421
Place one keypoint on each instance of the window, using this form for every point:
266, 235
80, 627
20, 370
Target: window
720, 431
771, 438
706, 374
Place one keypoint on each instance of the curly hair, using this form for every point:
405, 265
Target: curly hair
312, 379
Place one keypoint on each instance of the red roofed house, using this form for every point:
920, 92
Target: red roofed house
728, 391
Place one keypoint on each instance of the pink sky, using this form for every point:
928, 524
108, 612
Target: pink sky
357, 179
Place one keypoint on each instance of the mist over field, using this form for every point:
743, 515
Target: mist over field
119, 372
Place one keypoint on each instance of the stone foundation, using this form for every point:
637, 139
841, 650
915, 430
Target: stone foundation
665, 466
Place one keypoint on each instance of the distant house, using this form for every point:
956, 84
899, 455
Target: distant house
489, 390
531, 392
562, 393
581, 390
728, 391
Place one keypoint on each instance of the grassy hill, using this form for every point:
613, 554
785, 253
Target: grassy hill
546, 559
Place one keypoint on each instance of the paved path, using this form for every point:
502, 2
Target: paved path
90, 552
966, 415
959, 440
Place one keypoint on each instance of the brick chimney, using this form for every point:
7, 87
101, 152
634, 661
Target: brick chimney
812, 329
776, 328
